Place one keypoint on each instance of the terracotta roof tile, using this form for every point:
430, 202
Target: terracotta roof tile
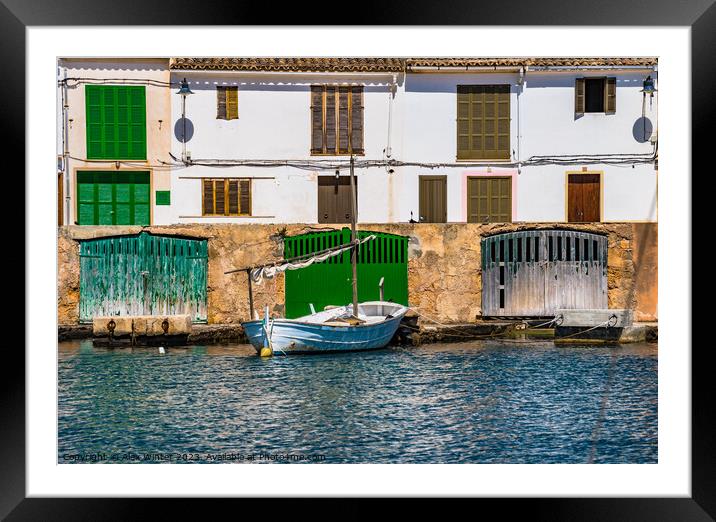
389, 64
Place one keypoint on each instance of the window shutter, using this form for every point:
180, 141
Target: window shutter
233, 196
463, 121
357, 120
317, 137
208, 199
331, 120
245, 196
221, 103
503, 122
579, 96
93, 113
138, 122
232, 103
220, 196
343, 131
610, 96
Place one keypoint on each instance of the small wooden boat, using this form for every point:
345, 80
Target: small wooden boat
333, 330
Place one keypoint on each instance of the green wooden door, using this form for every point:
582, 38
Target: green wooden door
107, 197
329, 282
143, 275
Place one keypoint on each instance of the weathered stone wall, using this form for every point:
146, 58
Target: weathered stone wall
443, 268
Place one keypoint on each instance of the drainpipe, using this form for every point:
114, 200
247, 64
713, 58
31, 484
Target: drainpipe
65, 149
391, 97
521, 83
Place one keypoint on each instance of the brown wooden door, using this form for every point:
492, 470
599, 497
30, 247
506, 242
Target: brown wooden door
433, 199
334, 199
583, 198
489, 199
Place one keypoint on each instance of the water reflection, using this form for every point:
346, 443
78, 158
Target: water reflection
484, 402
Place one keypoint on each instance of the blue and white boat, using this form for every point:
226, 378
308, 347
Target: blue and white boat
329, 331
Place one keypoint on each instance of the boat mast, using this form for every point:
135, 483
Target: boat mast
354, 250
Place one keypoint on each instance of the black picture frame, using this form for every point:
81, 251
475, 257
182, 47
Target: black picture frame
700, 15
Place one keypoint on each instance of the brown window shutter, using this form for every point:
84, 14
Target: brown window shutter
233, 202
357, 120
610, 96
220, 196
579, 96
221, 103
232, 103
343, 114
317, 134
207, 206
331, 138
245, 197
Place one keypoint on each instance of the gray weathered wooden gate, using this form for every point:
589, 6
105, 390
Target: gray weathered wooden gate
533, 273
143, 274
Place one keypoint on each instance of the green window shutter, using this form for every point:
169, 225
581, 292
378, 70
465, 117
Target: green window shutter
610, 96
163, 197
463, 122
116, 122
489, 199
579, 97
113, 198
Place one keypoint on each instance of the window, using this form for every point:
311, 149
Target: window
336, 120
334, 199
112, 197
226, 197
483, 122
595, 95
227, 103
116, 122
489, 199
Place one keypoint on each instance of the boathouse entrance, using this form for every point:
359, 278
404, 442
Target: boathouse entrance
535, 272
330, 282
143, 274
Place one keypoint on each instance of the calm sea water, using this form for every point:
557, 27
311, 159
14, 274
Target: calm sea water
478, 402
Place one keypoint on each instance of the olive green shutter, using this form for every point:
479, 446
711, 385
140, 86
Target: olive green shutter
489, 199
579, 98
433, 199
232, 103
116, 122
483, 122
610, 96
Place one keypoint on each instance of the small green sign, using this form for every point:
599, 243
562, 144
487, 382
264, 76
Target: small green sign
163, 197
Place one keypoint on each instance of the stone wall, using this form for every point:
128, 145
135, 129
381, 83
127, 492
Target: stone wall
443, 267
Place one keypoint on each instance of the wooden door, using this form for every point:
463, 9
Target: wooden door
489, 199
433, 199
583, 198
334, 199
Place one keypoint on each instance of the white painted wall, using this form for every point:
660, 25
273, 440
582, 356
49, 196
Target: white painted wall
274, 123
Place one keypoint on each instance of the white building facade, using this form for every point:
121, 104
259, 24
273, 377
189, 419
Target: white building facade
434, 140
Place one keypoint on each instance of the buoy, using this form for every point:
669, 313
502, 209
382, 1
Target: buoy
161, 350
266, 352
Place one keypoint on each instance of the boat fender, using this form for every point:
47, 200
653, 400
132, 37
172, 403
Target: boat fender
266, 352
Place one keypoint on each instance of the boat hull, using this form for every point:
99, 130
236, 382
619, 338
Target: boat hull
296, 337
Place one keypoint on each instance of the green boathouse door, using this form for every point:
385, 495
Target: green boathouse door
330, 282
143, 274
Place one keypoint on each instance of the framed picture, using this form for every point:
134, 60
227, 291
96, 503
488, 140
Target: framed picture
174, 64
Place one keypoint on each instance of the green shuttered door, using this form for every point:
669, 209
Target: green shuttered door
143, 275
112, 197
116, 122
489, 199
329, 282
